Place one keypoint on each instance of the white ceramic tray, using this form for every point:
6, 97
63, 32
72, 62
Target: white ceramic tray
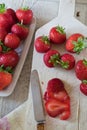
22, 51
78, 100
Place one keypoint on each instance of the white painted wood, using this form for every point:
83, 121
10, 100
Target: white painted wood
78, 102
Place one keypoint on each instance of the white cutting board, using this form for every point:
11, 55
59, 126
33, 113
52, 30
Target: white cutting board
78, 100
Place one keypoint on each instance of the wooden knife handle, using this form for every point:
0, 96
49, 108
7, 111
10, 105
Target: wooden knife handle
40, 126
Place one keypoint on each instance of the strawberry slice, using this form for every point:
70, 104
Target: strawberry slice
55, 107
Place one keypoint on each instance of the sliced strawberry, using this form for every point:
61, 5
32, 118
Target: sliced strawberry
55, 107
64, 115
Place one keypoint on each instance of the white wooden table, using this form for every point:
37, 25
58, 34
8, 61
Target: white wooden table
40, 9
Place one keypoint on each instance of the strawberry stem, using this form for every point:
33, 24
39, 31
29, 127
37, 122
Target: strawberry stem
2, 8
64, 65
60, 29
25, 8
85, 62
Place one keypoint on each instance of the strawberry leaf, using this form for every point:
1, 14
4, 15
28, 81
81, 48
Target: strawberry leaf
54, 59
84, 81
80, 44
2, 8
60, 29
64, 65
45, 39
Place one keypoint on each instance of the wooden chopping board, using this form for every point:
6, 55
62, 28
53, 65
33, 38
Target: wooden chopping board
78, 118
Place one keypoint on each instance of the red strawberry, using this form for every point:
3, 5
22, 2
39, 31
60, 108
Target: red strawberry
76, 43
20, 30
25, 15
55, 107
51, 58
9, 58
11, 12
81, 69
83, 87
65, 115
3, 33
42, 44
57, 35
5, 79
55, 85
6, 20
67, 61
12, 41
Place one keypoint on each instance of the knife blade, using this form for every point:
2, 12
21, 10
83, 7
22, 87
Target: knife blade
37, 100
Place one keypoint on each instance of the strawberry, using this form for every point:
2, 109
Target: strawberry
51, 58
5, 77
3, 33
57, 101
55, 85
9, 58
20, 30
12, 40
81, 69
11, 12
55, 108
42, 44
25, 15
76, 43
83, 87
57, 35
6, 20
67, 61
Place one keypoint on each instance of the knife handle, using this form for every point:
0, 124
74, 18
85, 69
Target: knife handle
40, 126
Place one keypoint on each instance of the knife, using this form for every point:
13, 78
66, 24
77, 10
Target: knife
37, 100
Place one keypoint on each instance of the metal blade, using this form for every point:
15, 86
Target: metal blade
36, 95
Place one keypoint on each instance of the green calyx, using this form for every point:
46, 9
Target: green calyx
60, 29
54, 59
80, 44
64, 65
4, 48
45, 39
6, 69
84, 81
85, 62
25, 8
2, 8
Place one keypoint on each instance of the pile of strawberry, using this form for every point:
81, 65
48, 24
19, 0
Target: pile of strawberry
57, 101
13, 29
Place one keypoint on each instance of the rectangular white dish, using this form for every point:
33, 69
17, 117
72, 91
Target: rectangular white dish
22, 51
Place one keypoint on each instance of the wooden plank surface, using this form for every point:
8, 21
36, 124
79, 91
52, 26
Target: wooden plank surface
20, 93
